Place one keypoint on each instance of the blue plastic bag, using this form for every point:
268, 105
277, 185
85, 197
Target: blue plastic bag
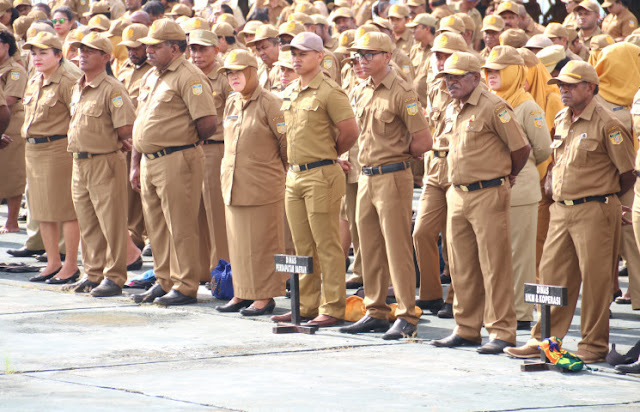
221, 281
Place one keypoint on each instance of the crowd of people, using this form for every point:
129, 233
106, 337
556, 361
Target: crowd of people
203, 133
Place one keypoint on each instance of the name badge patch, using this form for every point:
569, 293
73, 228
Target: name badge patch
196, 89
412, 109
504, 116
615, 137
117, 100
281, 127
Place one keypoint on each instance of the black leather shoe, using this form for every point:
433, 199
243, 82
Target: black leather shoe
453, 341
433, 305
43, 278
623, 273
446, 312
106, 288
401, 329
43, 257
523, 325
137, 265
494, 346
155, 291
251, 311
146, 250
630, 368
57, 281
234, 307
174, 298
84, 285
367, 324
24, 252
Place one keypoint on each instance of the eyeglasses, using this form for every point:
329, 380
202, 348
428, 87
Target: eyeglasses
453, 78
366, 56
61, 21
284, 41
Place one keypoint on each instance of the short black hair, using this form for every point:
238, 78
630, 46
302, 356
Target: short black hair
182, 44
65, 10
562, 63
596, 90
260, 15
7, 38
226, 9
230, 39
153, 8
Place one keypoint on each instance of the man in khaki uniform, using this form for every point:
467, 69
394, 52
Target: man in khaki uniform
588, 15
559, 34
469, 7
102, 117
399, 17
492, 27
130, 75
266, 45
176, 111
593, 165
398, 56
486, 152
204, 53
439, 9
620, 22
416, 7
393, 130
320, 127
424, 28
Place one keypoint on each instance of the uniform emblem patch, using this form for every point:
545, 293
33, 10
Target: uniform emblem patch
117, 100
281, 128
504, 116
128, 33
632, 23
15, 75
406, 69
412, 109
196, 89
327, 63
197, 24
344, 40
615, 137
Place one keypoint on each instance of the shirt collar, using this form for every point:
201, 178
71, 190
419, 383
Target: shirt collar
95, 82
314, 84
587, 113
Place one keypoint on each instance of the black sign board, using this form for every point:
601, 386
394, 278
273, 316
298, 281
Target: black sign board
545, 295
302, 265
295, 266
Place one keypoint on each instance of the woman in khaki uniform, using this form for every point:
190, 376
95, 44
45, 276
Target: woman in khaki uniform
253, 173
49, 165
13, 79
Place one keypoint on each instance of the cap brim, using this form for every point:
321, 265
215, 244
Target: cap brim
232, 67
341, 49
150, 40
492, 28
82, 43
563, 78
287, 47
411, 25
202, 43
444, 50
281, 64
456, 72
130, 43
448, 29
30, 44
494, 66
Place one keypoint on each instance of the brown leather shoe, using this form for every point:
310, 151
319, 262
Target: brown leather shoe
286, 318
324, 321
523, 352
589, 357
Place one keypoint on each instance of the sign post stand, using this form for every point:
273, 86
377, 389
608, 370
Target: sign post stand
294, 265
545, 296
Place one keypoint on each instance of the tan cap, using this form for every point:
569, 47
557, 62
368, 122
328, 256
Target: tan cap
117, 26
449, 42
250, 27
37, 27
320, 19
588, 5
416, 3
606, 3
493, 22
306, 41
239, 60
223, 29
75, 35
101, 7
266, 31
451, 23
601, 41
425, 19
633, 39
373, 41
342, 3
469, 24
345, 40
37, 14
382, 23
21, 25
162, 30
5, 5
99, 22
301, 18
180, 10
572, 33
285, 60
503, 56
556, 30
550, 56
514, 38
508, 6
538, 41
203, 38
229, 19
575, 72
132, 33
304, 7
398, 10
341, 12
292, 28
43, 40
194, 23
529, 57
460, 63
365, 28
17, 3
98, 41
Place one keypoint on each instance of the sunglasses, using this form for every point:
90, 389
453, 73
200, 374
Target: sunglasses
61, 21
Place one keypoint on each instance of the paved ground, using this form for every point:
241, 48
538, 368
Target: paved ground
66, 352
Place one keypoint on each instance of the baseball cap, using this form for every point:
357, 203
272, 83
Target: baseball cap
17, 3
633, 39
503, 56
382, 23
194, 23
460, 63
43, 40
492, 22
423, 18
373, 41
600, 41
320, 19
99, 22
303, 7
239, 60
37, 27
528, 56
162, 30
416, 3
305, 41
132, 33
117, 26
180, 10
550, 56
554, 30
301, 17
451, 23
508, 6
588, 5
285, 60
398, 10
203, 38
21, 25
342, 12
292, 28
223, 29
469, 24
249, 28
538, 41
229, 19
98, 41
575, 72
266, 31
37, 14
100, 7
514, 38
5, 5
365, 28
449, 42
344, 41
608, 3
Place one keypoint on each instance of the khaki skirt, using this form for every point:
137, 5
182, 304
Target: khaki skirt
255, 235
49, 168
13, 172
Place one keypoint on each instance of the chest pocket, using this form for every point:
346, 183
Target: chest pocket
382, 122
47, 100
585, 151
306, 111
471, 133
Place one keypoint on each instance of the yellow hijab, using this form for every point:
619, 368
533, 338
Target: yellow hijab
512, 81
619, 71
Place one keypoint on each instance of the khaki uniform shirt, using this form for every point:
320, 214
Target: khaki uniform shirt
590, 153
406, 41
169, 104
635, 115
362, 11
387, 115
420, 59
331, 65
99, 108
46, 104
477, 19
571, 21
131, 76
586, 41
404, 64
255, 150
619, 26
311, 114
440, 12
13, 81
484, 135
331, 44
221, 90
533, 28
352, 154
438, 105
269, 78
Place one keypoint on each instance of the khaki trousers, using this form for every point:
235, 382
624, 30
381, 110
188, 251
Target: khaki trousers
171, 190
213, 203
99, 191
634, 276
482, 274
384, 224
523, 255
350, 199
137, 230
312, 202
582, 249
430, 223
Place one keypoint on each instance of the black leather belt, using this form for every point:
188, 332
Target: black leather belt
482, 184
168, 151
440, 153
86, 155
601, 199
380, 170
213, 142
37, 140
308, 166
637, 173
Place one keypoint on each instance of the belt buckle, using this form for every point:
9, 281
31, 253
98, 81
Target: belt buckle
296, 168
31, 140
606, 200
568, 202
464, 188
